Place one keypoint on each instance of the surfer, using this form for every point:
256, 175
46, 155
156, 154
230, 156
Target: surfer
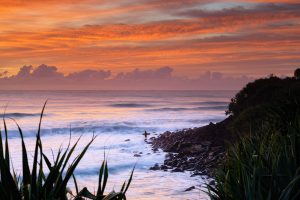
146, 134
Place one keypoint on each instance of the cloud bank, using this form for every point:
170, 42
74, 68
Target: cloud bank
46, 77
254, 37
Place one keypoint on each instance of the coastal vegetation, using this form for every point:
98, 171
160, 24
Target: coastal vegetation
268, 101
265, 165
43, 179
254, 154
265, 162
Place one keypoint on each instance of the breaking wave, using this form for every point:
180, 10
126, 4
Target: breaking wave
130, 105
20, 115
172, 109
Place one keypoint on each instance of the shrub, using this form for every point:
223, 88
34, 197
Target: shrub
265, 101
297, 74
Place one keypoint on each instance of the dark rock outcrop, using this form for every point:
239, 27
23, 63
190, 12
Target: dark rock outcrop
199, 150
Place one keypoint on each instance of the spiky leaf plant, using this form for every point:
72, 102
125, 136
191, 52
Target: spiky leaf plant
263, 166
35, 184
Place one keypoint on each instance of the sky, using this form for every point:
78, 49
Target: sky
190, 44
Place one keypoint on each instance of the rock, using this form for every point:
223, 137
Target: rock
196, 174
177, 170
137, 155
164, 167
211, 155
190, 188
155, 167
184, 145
206, 143
170, 155
173, 148
197, 147
199, 150
189, 168
127, 140
212, 182
171, 162
155, 150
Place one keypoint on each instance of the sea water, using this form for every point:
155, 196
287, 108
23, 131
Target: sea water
118, 119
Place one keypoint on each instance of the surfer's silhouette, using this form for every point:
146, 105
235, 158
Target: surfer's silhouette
146, 134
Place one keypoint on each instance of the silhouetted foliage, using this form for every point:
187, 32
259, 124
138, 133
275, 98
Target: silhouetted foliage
265, 162
263, 166
49, 182
265, 101
297, 73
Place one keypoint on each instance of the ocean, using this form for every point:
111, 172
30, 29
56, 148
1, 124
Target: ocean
118, 118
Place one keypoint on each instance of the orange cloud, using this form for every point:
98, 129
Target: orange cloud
122, 36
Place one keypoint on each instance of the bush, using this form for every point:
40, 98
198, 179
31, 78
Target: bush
265, 162
265, 101
297, 73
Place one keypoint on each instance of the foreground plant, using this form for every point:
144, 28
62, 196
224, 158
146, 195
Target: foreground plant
35, 184
264, 166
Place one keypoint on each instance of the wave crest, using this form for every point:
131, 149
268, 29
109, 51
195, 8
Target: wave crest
20, 115
172, 109
129, 105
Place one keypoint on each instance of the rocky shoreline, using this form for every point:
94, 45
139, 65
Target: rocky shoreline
199, 150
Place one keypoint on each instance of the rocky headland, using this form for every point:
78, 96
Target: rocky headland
199, 150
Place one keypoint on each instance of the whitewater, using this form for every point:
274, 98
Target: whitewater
118, 119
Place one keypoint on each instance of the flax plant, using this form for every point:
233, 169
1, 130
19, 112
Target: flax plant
35, 184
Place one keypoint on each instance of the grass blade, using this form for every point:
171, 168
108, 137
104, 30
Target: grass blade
38, 140
6, 143
60, 190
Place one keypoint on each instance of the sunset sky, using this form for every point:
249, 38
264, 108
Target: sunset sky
233, 38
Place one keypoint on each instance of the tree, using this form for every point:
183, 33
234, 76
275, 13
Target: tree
297, 73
